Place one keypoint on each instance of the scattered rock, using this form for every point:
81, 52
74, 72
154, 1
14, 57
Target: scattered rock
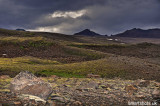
27, 83
93, 76
85, 91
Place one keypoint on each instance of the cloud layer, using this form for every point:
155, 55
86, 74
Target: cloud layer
70, 16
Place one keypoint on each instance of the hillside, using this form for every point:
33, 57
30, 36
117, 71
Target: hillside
140, 33
52, 53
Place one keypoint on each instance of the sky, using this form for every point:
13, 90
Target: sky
71, 16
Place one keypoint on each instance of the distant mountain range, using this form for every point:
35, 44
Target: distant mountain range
132, 33
87, 32
140, 33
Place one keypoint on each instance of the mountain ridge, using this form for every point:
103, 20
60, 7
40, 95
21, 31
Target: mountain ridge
140, 33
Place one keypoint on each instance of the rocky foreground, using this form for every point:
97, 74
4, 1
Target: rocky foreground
81, 92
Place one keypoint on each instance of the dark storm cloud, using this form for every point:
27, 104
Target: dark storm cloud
69, 16
24, 12
119, 15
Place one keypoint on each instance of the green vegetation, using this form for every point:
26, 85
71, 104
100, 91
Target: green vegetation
137, 50
21, 39
105, 67
26, 41
100, 46
47, 73
146, 45
25, 60
4, 83
46, 67
38, 45
89, 55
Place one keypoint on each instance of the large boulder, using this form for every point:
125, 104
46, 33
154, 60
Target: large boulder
27, 83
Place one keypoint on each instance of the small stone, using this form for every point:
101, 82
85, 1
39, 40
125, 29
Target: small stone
157, 84
5, 77
79, 89
32, 101
50, 103
104, 85
156, 93
59, 99
40, 103
77, 103
92, 85
131, 89
142, 83
140, 96
4, 55
53, 76
31, 98
17, 103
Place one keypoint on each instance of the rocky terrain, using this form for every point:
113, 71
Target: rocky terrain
84, 91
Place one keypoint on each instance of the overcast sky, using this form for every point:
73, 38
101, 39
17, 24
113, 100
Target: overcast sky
70, 16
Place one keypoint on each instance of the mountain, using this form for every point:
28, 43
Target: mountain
20, 29
87, 32
140, 33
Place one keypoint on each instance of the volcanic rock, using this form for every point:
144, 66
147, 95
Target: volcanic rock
27, 83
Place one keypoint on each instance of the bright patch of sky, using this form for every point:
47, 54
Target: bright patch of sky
66, 14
